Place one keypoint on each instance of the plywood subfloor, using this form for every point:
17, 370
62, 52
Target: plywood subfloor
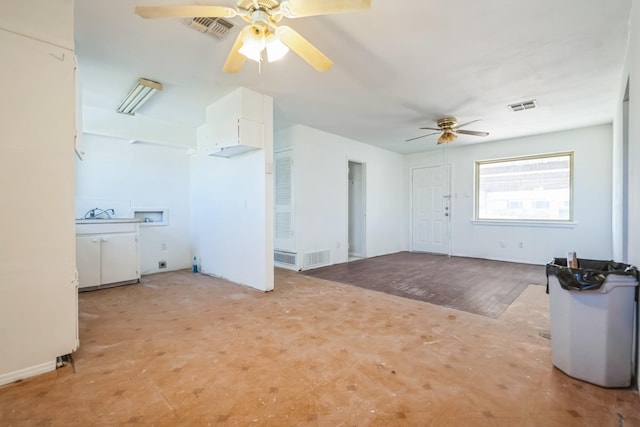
189, 350
474, 285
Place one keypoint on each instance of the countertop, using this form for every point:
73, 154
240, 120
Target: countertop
106, 220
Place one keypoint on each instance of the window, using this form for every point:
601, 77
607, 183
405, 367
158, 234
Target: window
533, 188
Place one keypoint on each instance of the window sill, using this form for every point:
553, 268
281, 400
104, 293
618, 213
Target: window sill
507, 223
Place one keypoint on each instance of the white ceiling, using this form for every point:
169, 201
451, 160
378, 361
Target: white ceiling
397, 67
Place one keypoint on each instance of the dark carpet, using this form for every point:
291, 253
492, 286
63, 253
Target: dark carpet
478, 286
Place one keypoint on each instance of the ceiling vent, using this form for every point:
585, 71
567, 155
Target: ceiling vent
521, 106
216, 27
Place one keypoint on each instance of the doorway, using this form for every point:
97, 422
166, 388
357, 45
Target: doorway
357, 211
430, 197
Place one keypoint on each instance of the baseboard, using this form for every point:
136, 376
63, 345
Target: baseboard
27, 372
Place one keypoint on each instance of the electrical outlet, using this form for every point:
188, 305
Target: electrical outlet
162, 264
521, 245
503, 244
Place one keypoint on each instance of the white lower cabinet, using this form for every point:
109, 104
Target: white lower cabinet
107, 254
88, 261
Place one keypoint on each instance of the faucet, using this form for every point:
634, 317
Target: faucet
96, 212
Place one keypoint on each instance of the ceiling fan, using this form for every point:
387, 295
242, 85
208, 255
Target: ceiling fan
263, 31
449, 129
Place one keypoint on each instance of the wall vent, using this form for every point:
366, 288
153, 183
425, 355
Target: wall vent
286, 259
521, 106
316, 259
216, 27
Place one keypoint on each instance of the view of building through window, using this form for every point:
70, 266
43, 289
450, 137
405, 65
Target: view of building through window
534, 188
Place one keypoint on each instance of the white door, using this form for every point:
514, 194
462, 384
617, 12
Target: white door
357, 209
283, 201
430, 209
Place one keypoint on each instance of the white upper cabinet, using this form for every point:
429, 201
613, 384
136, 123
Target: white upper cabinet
234, 124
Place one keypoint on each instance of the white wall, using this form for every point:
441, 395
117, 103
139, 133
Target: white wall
619, 200
631, 72
591, 235
321, 193
617, 196
138, 127
232, 205
40, 19
633, 65
117, 174
38, 286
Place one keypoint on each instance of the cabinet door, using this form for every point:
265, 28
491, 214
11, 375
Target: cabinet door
119, 258
250, 133
88, 261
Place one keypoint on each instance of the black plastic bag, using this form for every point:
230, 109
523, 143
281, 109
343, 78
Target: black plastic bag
590, 274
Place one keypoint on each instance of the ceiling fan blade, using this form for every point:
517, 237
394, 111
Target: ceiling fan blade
152, 12
302, 47
418, 137
472, 132
468, 123
235, 60
301, 8
431, 128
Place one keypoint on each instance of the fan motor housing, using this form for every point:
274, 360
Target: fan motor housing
447, 123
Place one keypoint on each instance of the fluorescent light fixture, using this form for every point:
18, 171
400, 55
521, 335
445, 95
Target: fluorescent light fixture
140, 94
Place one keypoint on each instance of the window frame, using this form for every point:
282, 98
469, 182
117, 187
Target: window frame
478, 164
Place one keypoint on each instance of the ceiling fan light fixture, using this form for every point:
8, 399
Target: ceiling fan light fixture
253, 43
275, 48
252, 53
263, 17
447, 137
449, 129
